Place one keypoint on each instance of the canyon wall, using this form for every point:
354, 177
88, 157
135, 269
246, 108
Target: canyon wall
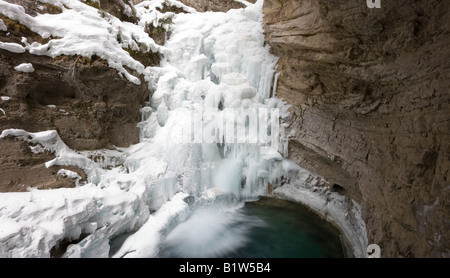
213, 5
369, 90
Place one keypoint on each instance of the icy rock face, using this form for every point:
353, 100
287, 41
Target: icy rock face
370, 104
85, 98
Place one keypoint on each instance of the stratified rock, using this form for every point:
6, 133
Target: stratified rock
209, 5
20, 169
87, 102
371, 110
213, 5
122, 9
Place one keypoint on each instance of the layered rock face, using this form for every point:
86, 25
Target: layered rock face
213, 5
369, 90
85, 100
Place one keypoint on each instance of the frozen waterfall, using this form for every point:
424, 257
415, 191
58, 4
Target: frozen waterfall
211, 137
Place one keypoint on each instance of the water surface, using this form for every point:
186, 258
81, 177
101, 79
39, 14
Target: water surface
268, 228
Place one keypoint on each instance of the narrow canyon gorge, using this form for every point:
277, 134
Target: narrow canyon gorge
367, 91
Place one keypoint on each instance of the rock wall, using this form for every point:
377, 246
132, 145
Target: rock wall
213, 5
369, 90
85, 100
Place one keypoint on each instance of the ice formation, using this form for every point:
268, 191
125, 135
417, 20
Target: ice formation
204, 137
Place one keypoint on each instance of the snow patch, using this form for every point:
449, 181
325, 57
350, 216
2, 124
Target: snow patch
145, 242
25, 67
50, 141
12, 47
243, 2
68, 174
83, 30
2, 26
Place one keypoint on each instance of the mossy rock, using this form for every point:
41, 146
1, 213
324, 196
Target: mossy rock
166, 7
165, 21
16, 27
93, 4
18, 30
148, 59
80, 60
158, 33
51, 9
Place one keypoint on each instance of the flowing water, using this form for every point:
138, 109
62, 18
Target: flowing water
268, 228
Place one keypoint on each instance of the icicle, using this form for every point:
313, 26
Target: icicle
275, 84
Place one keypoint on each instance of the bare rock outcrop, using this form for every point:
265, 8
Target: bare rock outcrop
210, 5
21, 169
369, 90
213, 5
87, 102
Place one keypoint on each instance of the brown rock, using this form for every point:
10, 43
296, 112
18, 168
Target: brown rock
122, 9
83, 99
34, 8
371, 110
213, 5
86, 101
209, 5
21, 169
